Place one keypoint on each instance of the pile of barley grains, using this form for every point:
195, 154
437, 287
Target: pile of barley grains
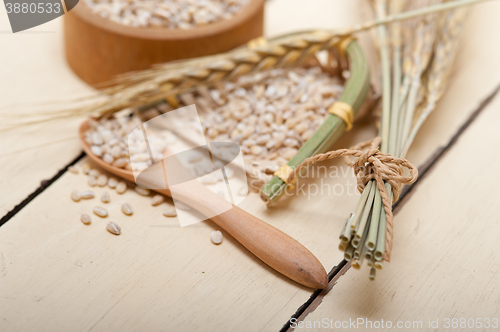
270, 115
109, 139
172, 14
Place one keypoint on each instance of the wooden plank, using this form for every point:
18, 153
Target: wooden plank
33, 72
155, 275
445, 262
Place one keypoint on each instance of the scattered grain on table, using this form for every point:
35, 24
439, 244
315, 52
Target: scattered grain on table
86, 168
121, 187
113, 228
102, 180
87, 194
142, 191
216, 237
85, 218
170, 212
127, 209
76, 196
73, 169
157, 200
100, 211
94, 173
92, 181
105, 198
112, 182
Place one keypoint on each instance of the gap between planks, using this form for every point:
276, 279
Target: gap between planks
44, 184
339, 270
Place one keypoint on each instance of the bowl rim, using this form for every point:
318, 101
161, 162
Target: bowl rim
248, 12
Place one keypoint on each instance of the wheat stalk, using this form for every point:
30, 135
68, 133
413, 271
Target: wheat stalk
451, 26
147, 86
420, 75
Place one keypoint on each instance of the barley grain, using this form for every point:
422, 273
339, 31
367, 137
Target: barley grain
75, 196
171, 14
73, 169
142, 191
102, 180
216, 237
170, 212
243, 191
85, 218
208, 179
127, 209
100, 211
157, 200
121, 187
112, 182
113, 228
86, 168
182, 206
108, 158
105, 198
87, 194
94, 173
92, 181
120, 162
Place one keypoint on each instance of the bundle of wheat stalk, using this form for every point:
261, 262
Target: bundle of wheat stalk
414, 76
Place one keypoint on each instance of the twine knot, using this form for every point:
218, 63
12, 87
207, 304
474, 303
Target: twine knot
371, 164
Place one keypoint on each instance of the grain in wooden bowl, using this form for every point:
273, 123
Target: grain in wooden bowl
172, 14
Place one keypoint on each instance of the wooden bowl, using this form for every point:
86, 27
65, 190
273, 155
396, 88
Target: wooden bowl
98, 49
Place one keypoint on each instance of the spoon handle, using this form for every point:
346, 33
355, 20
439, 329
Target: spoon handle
272, 246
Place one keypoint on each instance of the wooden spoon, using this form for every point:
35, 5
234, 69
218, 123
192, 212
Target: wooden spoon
269, 244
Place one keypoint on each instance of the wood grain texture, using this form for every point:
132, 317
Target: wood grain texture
273, 247
154, 276
447, 262
33, 72
98, 49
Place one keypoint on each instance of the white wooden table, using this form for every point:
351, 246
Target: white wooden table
58, 275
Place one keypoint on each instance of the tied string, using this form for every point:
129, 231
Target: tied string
371, 164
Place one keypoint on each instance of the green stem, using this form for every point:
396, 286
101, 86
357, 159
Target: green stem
360, 228
333, 127
410, 111
371, 240
359, 249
